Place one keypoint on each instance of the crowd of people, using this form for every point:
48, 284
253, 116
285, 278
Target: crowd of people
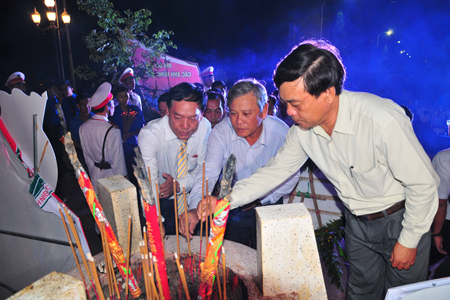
364, 144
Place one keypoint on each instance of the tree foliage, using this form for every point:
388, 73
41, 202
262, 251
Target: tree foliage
113, 44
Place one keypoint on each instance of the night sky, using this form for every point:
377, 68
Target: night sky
247, 38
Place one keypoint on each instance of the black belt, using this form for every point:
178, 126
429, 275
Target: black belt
251, 205
382, 214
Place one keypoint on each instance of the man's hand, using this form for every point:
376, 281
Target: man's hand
166, 189
192, 222
403, 257
437, 241
203, 210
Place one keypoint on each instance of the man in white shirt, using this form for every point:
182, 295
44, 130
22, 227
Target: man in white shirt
366, 147
100, 140
440, 230
254, 138
160, 142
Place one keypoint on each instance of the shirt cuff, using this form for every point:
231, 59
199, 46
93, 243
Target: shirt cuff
408, 239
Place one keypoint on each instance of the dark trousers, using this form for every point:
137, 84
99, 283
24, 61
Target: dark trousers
168, 212
368, 245
241, 226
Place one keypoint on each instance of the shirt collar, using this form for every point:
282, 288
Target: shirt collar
169, 133
100, 117
344, 122
261, 140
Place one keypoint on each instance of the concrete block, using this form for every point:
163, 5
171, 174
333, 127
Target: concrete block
288, 259
54, 286
119, 199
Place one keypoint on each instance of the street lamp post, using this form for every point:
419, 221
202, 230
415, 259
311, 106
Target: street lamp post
53, 17
388, 33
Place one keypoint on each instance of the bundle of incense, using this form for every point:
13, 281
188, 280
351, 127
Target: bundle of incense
153, 230
153, 287
77, 240
98, 286
186, 219
182, 276
73, 249
105, 255
217, 231
145, 272
159, 206
109, 264
97, 212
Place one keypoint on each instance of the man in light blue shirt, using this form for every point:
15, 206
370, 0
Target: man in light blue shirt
254, 138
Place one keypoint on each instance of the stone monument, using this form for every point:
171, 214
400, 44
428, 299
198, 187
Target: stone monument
288, 259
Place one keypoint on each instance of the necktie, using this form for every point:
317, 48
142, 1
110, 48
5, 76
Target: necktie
181, 172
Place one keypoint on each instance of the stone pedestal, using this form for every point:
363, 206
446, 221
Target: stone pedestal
54, 286
288, 259
119, 200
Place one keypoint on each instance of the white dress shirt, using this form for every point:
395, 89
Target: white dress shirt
224, 141
441, 163
373, 159
159, 147
92, 134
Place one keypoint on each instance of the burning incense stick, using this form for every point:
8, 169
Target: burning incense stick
158, 278
207, 224
95, 275
175, 204
145, 272
224, 274
201, 210
186, 218
77, 240
159, 219
182, 276
152, 271
153, 287
218, 281
105, 256
71, 246
128, 256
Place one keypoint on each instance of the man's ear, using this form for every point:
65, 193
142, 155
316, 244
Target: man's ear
265, 110
330, 94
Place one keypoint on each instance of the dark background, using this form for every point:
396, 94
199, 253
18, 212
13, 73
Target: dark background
247, 38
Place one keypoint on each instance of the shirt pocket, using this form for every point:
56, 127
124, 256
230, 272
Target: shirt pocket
369, 184
192, 162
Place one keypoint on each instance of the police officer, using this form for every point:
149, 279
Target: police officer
101, 141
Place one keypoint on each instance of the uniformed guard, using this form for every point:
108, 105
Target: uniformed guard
101, 141
16, 80
127, 79
208, 77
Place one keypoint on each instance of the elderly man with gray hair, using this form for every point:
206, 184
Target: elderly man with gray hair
254, 138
